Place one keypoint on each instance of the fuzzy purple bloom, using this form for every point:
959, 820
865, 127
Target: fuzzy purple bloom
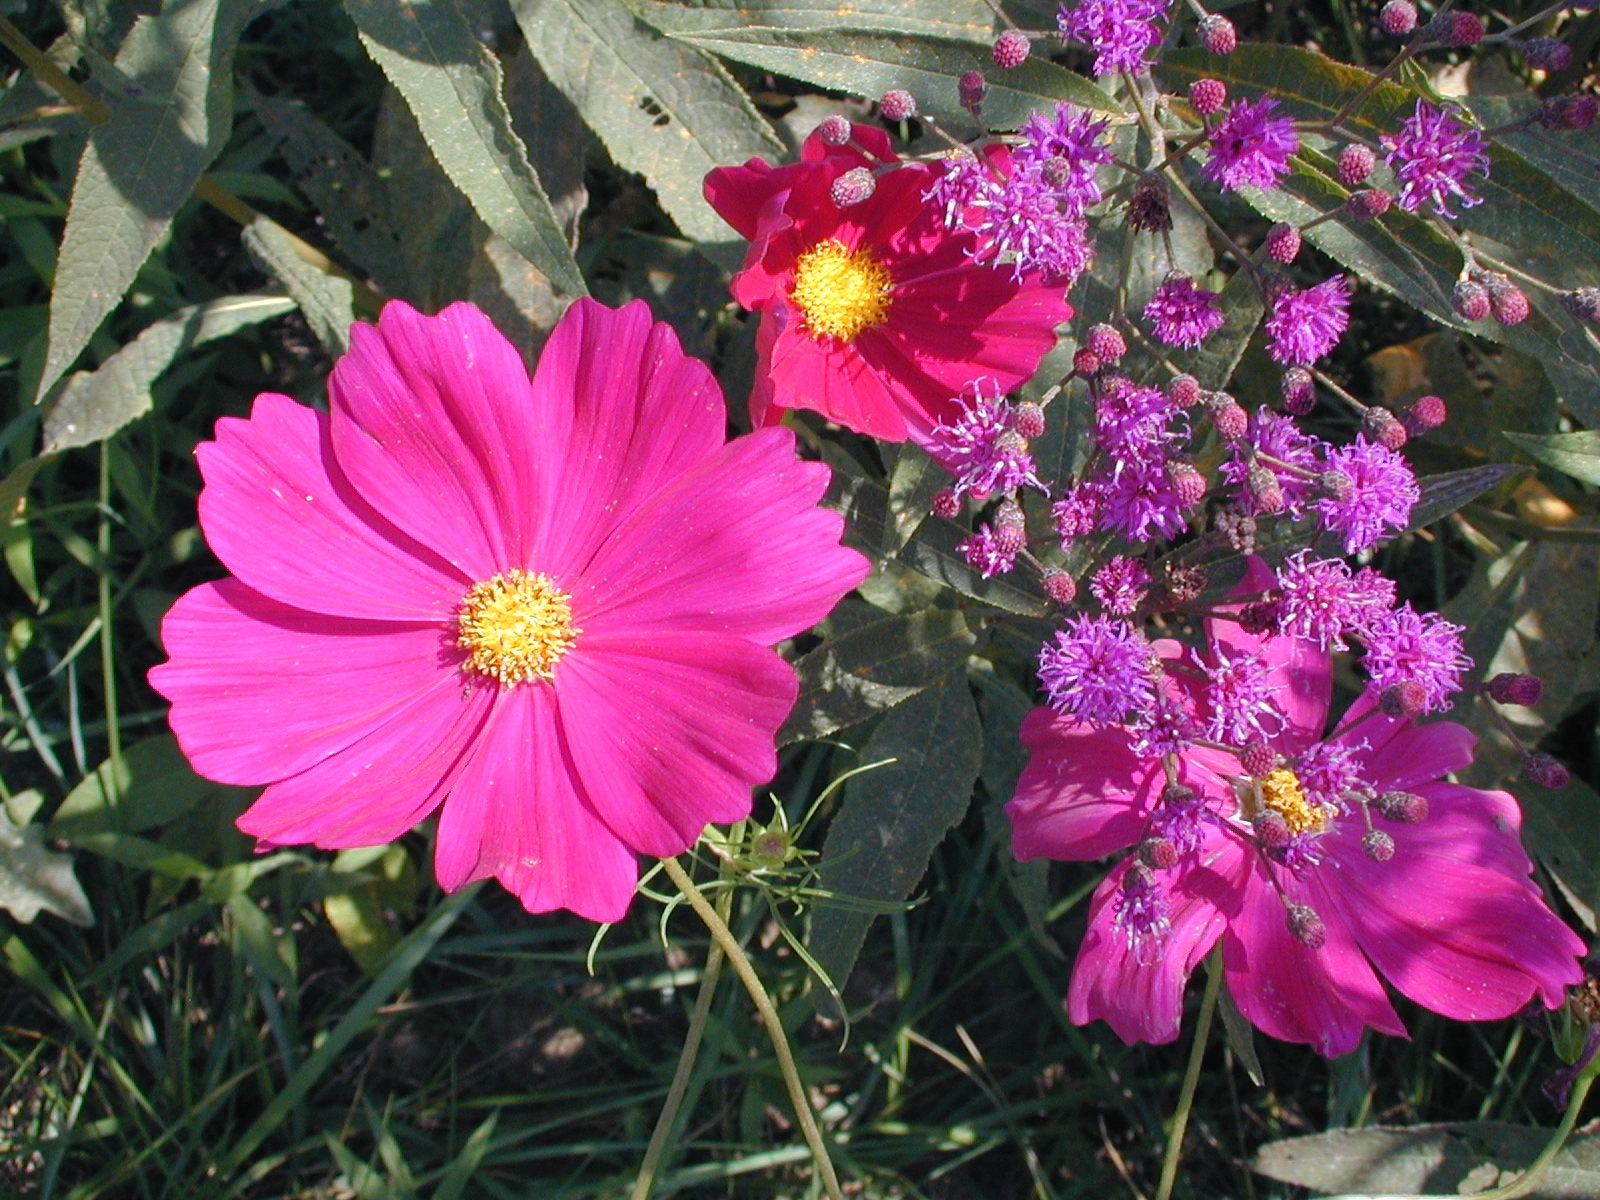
1432, 156
1076, 513
1271, 441
1242, 709
1383, 490
989, 553
1120, 584
1320, 600
983, 449
1067, 150
1182, 313
1122, 32
1250, 147
1098, 669
1024, 222
1406, 646
1306, 323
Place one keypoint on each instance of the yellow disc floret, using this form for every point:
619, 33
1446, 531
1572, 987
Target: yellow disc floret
841, 293
515, 627
1280, 791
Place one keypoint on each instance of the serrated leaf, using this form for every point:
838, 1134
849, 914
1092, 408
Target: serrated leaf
453, 86
892, 818
155, 785
167, 124
327, 301
857, 675
34, 878
1575, 454
960, 20
869, 64
96, 404
1445, 493
661, 107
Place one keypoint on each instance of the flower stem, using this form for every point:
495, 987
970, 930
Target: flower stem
1191, 1076
769, 1017
662, 1133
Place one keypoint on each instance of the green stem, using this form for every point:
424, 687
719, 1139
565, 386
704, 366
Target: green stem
1191, 1077
769, 1017
108, 649
52, 76
661, 1135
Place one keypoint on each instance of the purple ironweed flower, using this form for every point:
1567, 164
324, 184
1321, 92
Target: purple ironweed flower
1120, 31
1022, 221
1382, 493
1138, 499
1329, 770
1067, 150
1242, 709
1143, 914
983, 449
1306, 323
1405, 646
1076, 513
1250, 146
1098, 669
1432, 156
964, 181
989, 552
1320, 599
1121, 584
1163, 728
1274, 443
1131, 419
1182, 313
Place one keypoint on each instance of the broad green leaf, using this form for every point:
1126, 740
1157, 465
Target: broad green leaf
453, 86
327, 301
957, 20
139, 167
892, 818
873, 667
1576, 454
155, 785
661, 107
96, 404
869, 64
33, 877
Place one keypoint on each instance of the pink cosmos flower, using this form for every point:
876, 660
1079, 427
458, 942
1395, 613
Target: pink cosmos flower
543, 608
874, 314
1341, 861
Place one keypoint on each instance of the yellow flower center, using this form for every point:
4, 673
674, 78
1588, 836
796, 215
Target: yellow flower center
1280, 790
841, 293
515, 627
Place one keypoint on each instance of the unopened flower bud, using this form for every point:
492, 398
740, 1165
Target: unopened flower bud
1159, 853
1259, 619
1335, 485
897, 105
1381, 426
1188, 485
1177, 793
1547, 54
1258, 758
1377, 845
946, 504
1405, 808
1150, 206
1217, 34
1228, 416
971, 88
1508, 687
1056, 171
1470, 299
1456, 28
1398, 18
1403, 700
1010, 528
1059, 586
1011, 49
1299, 391
1208, 95
1086, 362
1426, 413
1544, 770
1506, 300
1238, 530
1265, 489
1583, 303
1368, 203
854, 186
1307, 926
1271, 829
1184, 390
1282, 242
1355, 164
834, 130
1105, 343
1186, 583
1139, 878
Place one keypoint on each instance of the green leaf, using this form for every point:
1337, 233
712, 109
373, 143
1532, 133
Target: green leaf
34, 878
327, 301
892, 818
852, 677
94, 405
1576, 454
155, 785
137, 169
958, 20
452, 85
661, 107
1443, 494
869, 64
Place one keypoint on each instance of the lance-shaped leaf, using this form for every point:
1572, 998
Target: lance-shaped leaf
96, 404
958, 20
33, 877
1575, 454
326, 300
661, 107
171, 112
894, 816
453, 86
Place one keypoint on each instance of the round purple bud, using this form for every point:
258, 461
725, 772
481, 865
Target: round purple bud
1426, 413
1403, 700
1377, 845
897, 104
1177, 793
1265, 489
1029, 420
1381, 426
1508, 687
854, 186
1010, 528
1405, 808
1507, 301
1457, 28
1011, 49
1355, 164
1283, 242
834, 130
1105, 343
1307, 927
1271, 829
1335, 485
946, 504
1259, 619
1188, 485
1470, 299
1568, 112
1085, 362
1547, 54
1299, 391
1258, 758
1368, 203
971, 88
1217, 34
1059, 586
1184, 390
1583, 303
1229, 417
1545, 770
1208, 95
1398, 18
1158, 853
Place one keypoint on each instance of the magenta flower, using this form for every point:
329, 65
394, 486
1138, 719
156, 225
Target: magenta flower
1307, 323
1182, 313
1433, 155
543, 608
1250, 147
1121, 32
1348, 861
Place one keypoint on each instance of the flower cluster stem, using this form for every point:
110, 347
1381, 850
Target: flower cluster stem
1191, 1076
769, 1017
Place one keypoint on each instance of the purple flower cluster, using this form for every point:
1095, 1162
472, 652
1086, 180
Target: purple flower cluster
1182, 313
1121, 32
1098, 669
1307, 323
983, 449
1433, 155
1250, 147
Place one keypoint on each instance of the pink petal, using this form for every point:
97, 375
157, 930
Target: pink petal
434, 424
261, 691
516, 814
669, 732
738, 194
281, 518
381, 785
736, 545
1322, 997
1143, 1001
1084, 793
643, 412
837, 379
1418, 754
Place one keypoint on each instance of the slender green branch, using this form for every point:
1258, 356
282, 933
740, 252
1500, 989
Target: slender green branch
52, 76
1191, 1076
769, 1017
108, 650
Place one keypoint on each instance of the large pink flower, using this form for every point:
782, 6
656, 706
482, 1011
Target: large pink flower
1345, 860
874, 315
544, 608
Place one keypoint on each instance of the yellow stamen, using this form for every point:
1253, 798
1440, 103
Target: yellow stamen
516, 626
841, 293
1280, 790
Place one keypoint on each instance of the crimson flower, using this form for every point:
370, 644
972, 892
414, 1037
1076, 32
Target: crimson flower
543, 608
1323, 865
874, 314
